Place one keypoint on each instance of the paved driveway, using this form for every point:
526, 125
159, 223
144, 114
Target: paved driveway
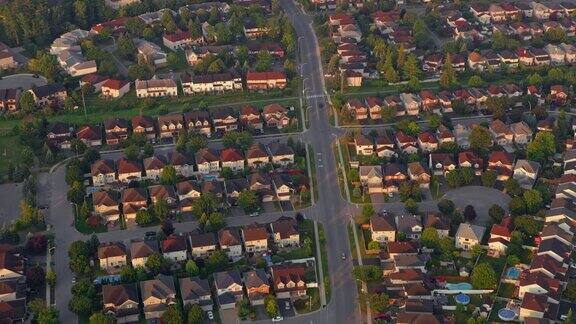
24, 81
229, 316
482, 198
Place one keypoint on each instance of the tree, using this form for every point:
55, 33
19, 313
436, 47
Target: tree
271, 305
476, 250
480, 139
29, 215
409, 127
454, 179
191, 268
496, 213
534, 79
195, 314
469, 213
81, 305
367, 273
35, 277
448, 78
517, 206
512, 187
101, 318
44, 64
411, 206
264, 61
172, 315
131, 152
533, 200
483, 277
542, 147
475, 81
379, 302
373, 245
497, 106
174, 60
126, 47
51, 277
144, 217
512, 260
446, 206
411, 68
430, 238
367, 213
217, 261
168, 22
168, 175
27, 103
447, 247
249, 201
570, 291
488, 178
76, 193
155, 263
167, 227
569, 316
239, 140
161, 209
467, 175
527, 225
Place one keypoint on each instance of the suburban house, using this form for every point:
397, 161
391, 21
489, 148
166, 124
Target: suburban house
144, 125
393, 176
417, 172
150, 53
357, 109
468, 235
177, 40
255, 237
410, 225
156, 88
170, 125
183, 165
59, 135
232, 158
9, 99
112, 255
250, 118
115, 88
501, 163
116, 130
202, 244
117, 4
106, 205
188, 191
133, 200
427, 142
208, 161
500, 235
469, 159
230, 242
211, 83
383, 228
501, 132
522, 133
48, 95
164, 193
228, 286
196, 291
441, 163
140, 250
283, 186
129, 170
257, 156
157, 294
257, 286
276, 116
363, 145
439, 222
285, 232
265, 80
154, 165
281, 153
225, 120
121, 302
233, 189
103, 172
526, 172
90, 135
7, 60
174, 248
289, 280
198, 121
372, 178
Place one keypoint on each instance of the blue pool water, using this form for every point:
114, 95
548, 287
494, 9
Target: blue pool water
459, 286
513, 273
506, 314
462, 299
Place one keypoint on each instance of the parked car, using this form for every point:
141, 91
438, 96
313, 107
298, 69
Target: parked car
210, 315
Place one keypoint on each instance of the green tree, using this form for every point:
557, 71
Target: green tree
217, 261
373, 245
534, 79
569, 316
131, 152
517, 206
411, 69
125, 47
27, 103
44, 64
475, 81
512, 187
411, 206
155, 263
81, 305
467, 175
168, 22
249, 201
101, 318
447, 247
367, 273
367, 213
496, 213
533, 200
542, 147
271, 305
454, 179
409, 127
144, 218
512, 260
191, 268
195, 314
172, 315
488, 178
379, 302
484, 277
430, 238
480, 139
168, 175
570, 291
161, 209
527, 225
476, 250
239, 140
264, 61
446, 206
76, 193
448, 78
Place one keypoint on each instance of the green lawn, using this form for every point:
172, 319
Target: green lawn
506, 290
324, 254
310, 304
9, 149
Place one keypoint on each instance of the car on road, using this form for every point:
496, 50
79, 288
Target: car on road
343, 256
287, 305
277, 318
210, 315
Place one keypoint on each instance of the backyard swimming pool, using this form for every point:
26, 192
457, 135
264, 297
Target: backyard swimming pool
506, 314
462, 299
513, 273
459, 286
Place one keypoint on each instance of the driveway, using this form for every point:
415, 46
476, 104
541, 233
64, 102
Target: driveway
10, 197
24, 81
229, 316
482, 198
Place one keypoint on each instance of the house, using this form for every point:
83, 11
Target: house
196, 291
121, 302
501, 163
133, 200
188, 191
129, 171
468, 235
261, 183
250, 118
372, 178
393, 176
526, 172
157, 294
11, 266
374, 105
228, 286
208, 161
555, 248
265, 80
154, 165
93, 81
225, 120
174, 248
383, 228
178, 40
106, 205
501, 132
438, 222
170, 125
103, 172
112, 88
427, 141
9, 99
558, 95
7, 60
385, 146
533, 306
116, 130
283, 186
406, 143
363, 145
230, 242
522, 133
410, 225
232, 158
357, 109
59, 135
255, 237
547, 265
211, 83
115, 26
276, 116
212, 187
144, 125
154, 88
164, 193
233, 189
411, 102
257, 286
417, 172
500, 235
281, 154
289, 280
181, 162
198, 122
469, 159
202, 244
48, 95
285, 232
90, 135
476, 61
112, 255
150, 53
141, 250
257, 156
441, 163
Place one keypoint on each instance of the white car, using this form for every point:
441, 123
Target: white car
277, 318
210, 315
287, 305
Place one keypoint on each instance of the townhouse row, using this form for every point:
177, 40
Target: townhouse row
167, 127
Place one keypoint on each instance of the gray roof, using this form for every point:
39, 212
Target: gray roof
470, 231
225, 279
194, 288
